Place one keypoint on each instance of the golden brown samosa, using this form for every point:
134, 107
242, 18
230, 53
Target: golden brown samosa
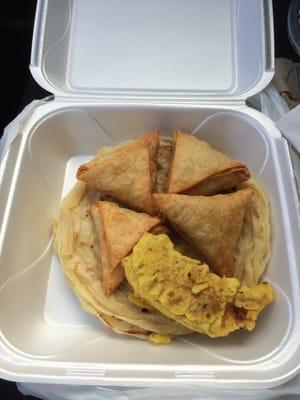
118, 230
210, 224
196, 168
127, 173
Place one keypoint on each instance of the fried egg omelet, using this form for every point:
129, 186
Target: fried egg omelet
185, 291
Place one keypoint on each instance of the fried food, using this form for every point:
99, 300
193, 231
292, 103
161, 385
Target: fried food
212, 225
184, 290
167, 290
198, 169
118, 231
126, 173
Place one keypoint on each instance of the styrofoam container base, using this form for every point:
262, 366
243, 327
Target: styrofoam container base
46, 337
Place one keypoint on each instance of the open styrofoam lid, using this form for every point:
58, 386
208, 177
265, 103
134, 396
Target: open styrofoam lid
185, 49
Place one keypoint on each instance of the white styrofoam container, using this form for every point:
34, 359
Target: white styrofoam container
118, 69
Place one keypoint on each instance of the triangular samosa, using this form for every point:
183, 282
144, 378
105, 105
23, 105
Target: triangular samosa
210, 224
196, 168
127, 173
118, 229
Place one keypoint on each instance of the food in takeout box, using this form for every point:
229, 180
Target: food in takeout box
197, 168
211, 224
184, 290
161, 238
118, 230
127, 173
